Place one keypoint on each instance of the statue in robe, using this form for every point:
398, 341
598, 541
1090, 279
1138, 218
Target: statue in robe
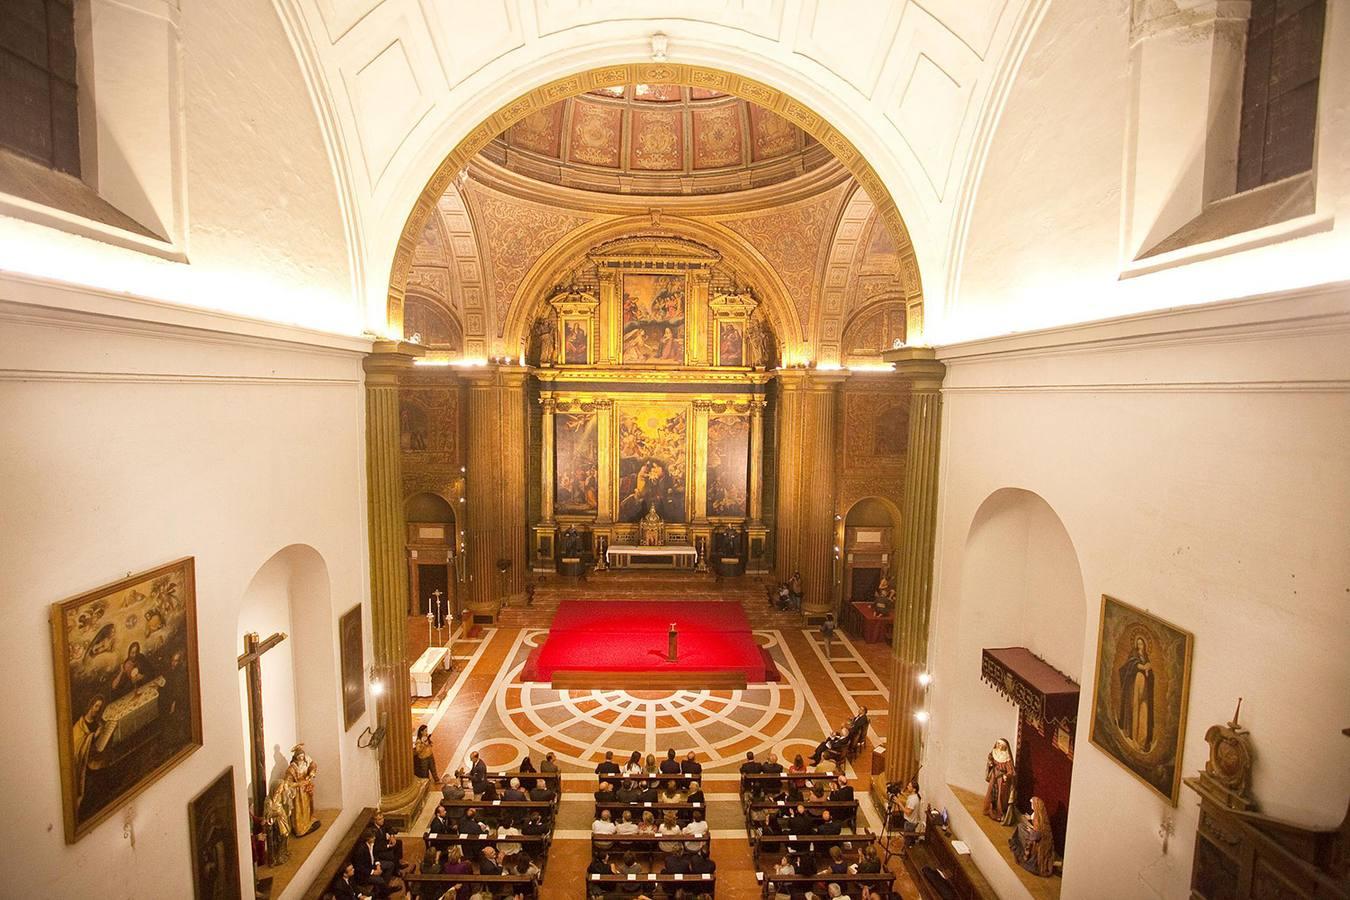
1001, 776
546, 340
1032, 843
277, 823
300, 775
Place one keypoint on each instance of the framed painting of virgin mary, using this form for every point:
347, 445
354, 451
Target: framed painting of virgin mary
1139, 699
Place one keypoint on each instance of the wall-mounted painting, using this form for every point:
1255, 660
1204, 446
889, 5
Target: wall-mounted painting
731, 343
576, 342
728, 464
653, 319
576, 483
1139, 702
215, 843
653, 450
128, 705
352, 648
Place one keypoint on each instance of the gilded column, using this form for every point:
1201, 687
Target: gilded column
756, 461
919, 367
786, 532
818, 471
700, 499
547, 404
610, 305
513, 524
399, 792
496, 486
605, 462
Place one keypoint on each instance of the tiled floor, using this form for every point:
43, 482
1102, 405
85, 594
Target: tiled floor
482, 705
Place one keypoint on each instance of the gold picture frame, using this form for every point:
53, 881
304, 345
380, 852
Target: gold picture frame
128, 698
1140, 694
213, 834
351, 641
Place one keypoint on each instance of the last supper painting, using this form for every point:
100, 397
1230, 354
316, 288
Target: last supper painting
653, 319
127, 699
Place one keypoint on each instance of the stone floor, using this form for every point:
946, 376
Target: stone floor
482, 705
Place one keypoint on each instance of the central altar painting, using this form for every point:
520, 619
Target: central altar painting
653, 460
653, 319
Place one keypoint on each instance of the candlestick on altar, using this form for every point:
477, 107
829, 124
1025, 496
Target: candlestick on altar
671, 644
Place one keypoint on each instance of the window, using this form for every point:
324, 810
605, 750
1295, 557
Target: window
1279, 90
37, 80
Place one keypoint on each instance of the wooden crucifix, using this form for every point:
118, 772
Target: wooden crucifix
251, 659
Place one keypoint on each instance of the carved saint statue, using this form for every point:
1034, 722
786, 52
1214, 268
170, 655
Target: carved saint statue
300, 775
1032, 842
1002, 777
546, 340
277, 822
757, 341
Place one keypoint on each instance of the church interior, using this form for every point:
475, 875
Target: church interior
773, 449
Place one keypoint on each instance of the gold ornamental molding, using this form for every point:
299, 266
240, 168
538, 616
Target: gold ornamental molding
749, 89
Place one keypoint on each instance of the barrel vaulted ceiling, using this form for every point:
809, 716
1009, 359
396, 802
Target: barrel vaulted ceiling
915, 86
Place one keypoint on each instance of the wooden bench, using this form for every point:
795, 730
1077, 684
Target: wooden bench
845, 812
795, 844
801, 883
645, 843
683, 811
652, 884
341, 855
439, 884
535, 845
492, 810
682, 779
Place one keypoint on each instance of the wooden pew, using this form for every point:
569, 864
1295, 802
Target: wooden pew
431, 886
845, 812
683, 811
775, 845
493, 810
800, 883
645, 843
534, 845
682, 780
341, 855
770, 783
652, 884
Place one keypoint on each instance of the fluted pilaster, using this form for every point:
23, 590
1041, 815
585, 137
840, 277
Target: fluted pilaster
915, 557
400, 792
495, 486
756, 461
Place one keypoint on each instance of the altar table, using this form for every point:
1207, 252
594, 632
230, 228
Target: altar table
669, 556
420, 671
875, 628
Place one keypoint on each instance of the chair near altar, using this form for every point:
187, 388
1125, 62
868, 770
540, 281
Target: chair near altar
651, 551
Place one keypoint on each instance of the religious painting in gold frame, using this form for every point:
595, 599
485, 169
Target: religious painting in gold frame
576, 479
351, 645
730, 342
653, 463
728, 466
1140, 694
128, 705
576, 341
214, 836
653, 318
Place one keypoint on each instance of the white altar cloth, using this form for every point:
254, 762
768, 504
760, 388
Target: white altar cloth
420, 671
624, 555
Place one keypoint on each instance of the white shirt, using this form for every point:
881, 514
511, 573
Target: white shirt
601, 826
912, 810
626, 828
695, 829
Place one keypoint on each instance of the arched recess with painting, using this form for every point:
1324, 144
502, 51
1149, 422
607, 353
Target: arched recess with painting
871, 531
432, 537
291, 594
1021, 599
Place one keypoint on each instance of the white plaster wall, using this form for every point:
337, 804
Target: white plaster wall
1047, 230
127, 444
1197, 461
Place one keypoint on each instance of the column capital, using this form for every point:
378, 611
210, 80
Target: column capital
389, 359
917, 365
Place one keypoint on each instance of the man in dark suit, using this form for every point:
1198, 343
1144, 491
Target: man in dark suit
800, 822
750, 766
609, 767
702, 864
488, 865
691, 765
469, 824
540, 793
649, 793
827, 824
344, 886
605, 794
477, 772
456, 788
370, 873
695, 794
843, 791
388, 845
677, 863
440, 823
535, 824
670, 765
513, 791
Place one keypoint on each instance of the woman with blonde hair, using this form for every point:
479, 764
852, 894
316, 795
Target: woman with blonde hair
648, 823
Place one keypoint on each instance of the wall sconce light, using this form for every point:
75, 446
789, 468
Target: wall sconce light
925, 679
371, 739
921, 717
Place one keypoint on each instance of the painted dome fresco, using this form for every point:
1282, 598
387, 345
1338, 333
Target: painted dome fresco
657, 139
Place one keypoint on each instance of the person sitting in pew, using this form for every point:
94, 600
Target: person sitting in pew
457, 788
627, 792
514, 793
695, 794
626, 825
507, 848
835, 892
542, 793
344, 886
488, 792
488, 864
827, 825
455, 862
843, 791
606, 793
604, 826
835, 864
668, 827
870, 863
698, 828
370, 873
701, 863
671, 793
670, 765
690, 765
599, 865
648, 823
634, 765
469, 823
649, 793
525, 866
535, 824
608, 767
440, 822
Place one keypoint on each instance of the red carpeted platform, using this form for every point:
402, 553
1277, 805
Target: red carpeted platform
622, 644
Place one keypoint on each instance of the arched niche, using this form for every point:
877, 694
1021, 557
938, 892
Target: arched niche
291, 593
429, 507
871, 528
1021, 586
